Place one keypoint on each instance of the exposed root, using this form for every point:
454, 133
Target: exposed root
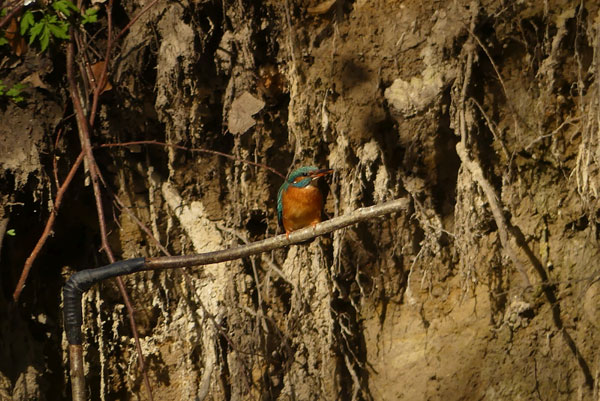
494, 203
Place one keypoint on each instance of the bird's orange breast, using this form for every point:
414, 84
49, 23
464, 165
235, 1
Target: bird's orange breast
301, 207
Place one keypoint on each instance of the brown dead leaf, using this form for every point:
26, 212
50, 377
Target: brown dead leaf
35, 80
16, 42
321, 8
97, 69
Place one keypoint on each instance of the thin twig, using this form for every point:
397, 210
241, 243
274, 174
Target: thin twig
54, 158
492, 128
134, 19
516, 116
11, 14
101, 82
541, 137
48, 229
10, 4
200, 150
494, 66
84, 65
137, 221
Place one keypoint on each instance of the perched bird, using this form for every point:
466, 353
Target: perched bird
299, 201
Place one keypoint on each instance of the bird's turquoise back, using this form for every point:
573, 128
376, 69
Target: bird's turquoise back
290, 181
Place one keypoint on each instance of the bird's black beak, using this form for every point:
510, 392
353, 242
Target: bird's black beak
320, 173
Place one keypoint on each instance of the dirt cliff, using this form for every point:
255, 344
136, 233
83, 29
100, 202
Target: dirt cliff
485, 115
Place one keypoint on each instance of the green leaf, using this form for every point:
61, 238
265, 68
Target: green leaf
50, 19
27, 20
35, 31
89, 16
65, 7
17, 99
11, 232
45, 38
59, 31
12, 92
3, 12
3, 41
15, 90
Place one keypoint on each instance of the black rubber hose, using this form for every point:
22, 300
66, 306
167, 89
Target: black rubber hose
82, 281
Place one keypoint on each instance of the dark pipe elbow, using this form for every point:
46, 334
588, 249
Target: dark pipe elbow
82, 281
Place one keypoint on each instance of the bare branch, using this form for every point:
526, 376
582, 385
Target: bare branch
11, 14
134, 19
47, 230
279, 241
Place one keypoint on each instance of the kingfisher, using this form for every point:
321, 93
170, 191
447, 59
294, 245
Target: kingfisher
299, 201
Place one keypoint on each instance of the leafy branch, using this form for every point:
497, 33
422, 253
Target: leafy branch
53, 22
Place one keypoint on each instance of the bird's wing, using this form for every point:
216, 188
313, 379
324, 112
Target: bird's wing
280, 205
